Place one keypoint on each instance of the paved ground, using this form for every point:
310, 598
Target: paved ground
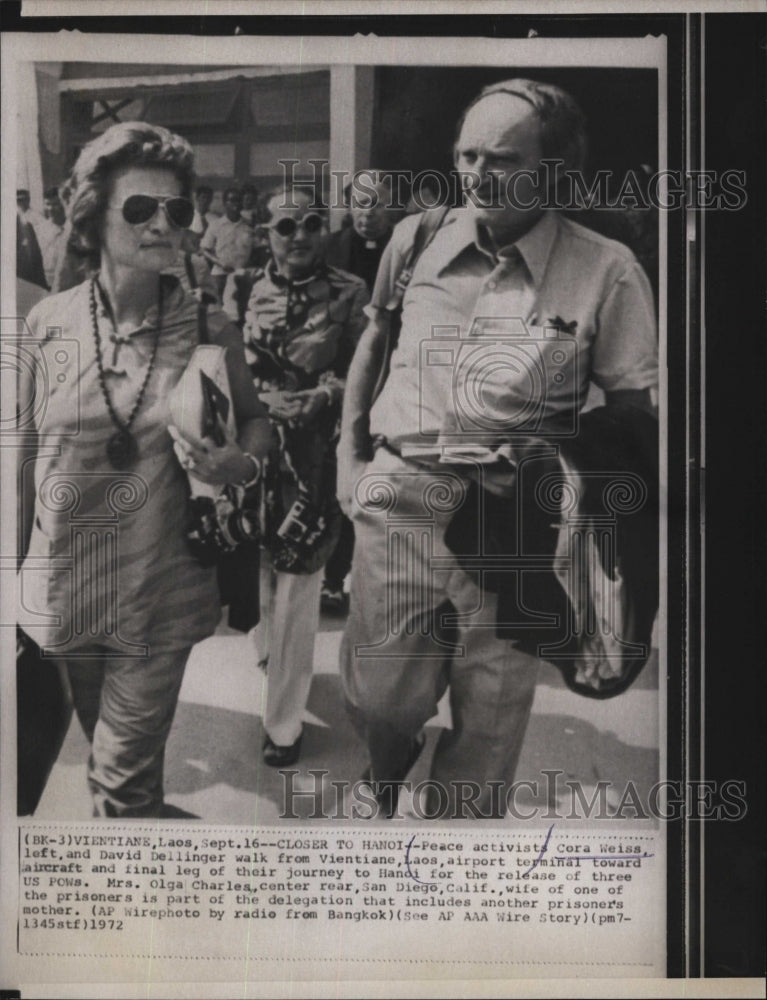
213, 763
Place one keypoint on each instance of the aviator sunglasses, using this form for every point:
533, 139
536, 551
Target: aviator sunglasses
311, 223
138, 209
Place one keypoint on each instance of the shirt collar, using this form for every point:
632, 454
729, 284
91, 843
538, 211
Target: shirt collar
319, 271
379, 244
534, 247
172, 299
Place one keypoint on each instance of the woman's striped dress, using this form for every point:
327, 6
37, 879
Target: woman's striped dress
108, 564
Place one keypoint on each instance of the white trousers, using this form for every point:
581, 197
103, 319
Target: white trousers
290, 614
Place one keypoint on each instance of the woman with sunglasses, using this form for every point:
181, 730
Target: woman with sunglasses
108, 577
301, 326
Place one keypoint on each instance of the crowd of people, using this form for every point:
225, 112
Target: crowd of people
323, 335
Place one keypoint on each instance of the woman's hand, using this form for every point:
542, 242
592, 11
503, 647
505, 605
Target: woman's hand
312, 402
282, 404
295, 408
211, 463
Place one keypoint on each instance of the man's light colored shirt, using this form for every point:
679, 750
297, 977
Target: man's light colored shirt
200, 222
230, 242
521, 333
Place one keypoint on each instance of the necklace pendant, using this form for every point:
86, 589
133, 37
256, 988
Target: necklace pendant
122, 450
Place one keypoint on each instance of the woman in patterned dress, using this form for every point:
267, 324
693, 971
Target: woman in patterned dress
109, 585
301, 327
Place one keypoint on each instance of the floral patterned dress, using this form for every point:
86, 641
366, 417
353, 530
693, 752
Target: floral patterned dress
300, 335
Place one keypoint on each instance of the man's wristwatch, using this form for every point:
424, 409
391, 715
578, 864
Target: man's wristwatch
245, 483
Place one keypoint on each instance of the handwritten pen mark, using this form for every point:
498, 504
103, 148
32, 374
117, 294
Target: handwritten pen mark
543, 851
604, 857
558, 324
410, 870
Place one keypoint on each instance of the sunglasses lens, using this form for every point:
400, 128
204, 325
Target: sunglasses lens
139, 208
311, 224
285, 227
180, 212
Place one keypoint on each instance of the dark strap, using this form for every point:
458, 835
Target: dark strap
202, 308
428, 225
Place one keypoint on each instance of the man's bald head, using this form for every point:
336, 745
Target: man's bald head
563, 124
503, 136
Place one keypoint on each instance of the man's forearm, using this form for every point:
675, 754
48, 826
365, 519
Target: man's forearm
361, 382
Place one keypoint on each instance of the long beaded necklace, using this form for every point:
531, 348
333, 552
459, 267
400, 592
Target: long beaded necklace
122, 450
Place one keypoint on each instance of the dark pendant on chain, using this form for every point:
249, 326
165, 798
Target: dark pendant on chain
122, 450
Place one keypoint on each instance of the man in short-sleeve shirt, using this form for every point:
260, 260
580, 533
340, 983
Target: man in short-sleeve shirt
500, 271
228, 241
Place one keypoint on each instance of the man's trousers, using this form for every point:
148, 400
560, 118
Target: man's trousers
419, 624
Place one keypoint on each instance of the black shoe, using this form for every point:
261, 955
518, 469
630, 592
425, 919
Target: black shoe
276, 756
387, 792
333, 600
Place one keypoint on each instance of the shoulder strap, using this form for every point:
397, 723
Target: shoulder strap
427, 228
429, 224
202, 309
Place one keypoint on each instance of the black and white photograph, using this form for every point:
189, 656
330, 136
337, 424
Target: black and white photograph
351, 508
312, 635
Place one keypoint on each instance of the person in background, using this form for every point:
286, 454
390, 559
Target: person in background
227, 242
29, 258
51, 233
24, 207
203, 198
357, 249
301, 326
249, 204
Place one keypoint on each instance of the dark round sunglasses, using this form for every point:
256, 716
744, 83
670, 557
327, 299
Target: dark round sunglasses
138, 209
311, 223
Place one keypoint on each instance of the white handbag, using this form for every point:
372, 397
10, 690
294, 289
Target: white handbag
201, 394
